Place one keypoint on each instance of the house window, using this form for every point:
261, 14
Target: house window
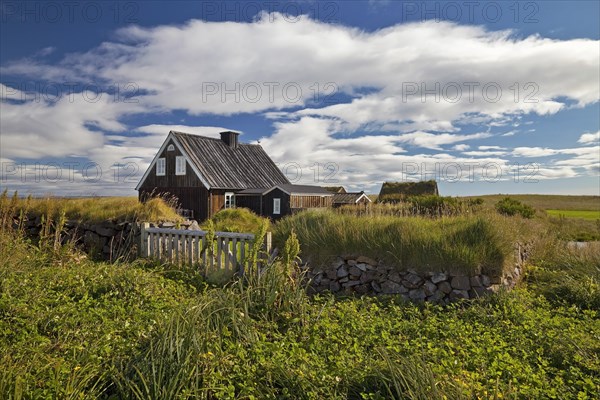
276, 206
171, 148
160, 167
229, 200
179, 165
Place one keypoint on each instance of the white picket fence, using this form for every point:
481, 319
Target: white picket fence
228, 251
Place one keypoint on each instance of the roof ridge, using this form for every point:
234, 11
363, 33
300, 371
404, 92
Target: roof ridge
210, 138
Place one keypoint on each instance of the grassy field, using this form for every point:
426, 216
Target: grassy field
550, 202
93, 209
589, 215
74, 328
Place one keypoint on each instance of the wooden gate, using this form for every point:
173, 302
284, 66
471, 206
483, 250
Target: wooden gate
228, 250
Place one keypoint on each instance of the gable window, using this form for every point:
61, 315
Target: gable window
171, 148
229, 200
179, 165
160, 167
276, 206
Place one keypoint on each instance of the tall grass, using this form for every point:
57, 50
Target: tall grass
94, 209
465, 244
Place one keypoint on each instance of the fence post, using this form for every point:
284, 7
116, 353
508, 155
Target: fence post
144, 239
268, 243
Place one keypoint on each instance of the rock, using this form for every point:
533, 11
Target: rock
366, 260
436, 297
355, 271
167, 225
351, 262
439, 277
459, 294
106, 249
324, 282
367, 277
475, 281
104, 230
342, 271
382, 269
417, 294
412, 281
495, 280
389, 287
394, 276
485, 280
338, 262
194, 226
334, 287
429, 288
93, 241
376, 287
362, 289
444, 287
362, 266
317, 279
351, 284
332, 274
461, 283
343, 280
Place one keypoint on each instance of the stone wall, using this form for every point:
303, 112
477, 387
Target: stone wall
107, 240
365, 276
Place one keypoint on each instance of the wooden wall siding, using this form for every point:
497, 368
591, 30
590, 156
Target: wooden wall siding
189, 198
300, 201
253, 203
217, 201
170, 180
268, 204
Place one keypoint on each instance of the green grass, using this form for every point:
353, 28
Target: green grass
549, 202
73, 328
95, 209
464, 244
590, 215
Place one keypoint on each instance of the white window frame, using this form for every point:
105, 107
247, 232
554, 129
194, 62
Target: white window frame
276, 206
229, 200
161, 167
171, 147
180, 165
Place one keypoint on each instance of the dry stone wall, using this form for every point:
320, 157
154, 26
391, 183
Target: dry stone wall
365, 276
107, 240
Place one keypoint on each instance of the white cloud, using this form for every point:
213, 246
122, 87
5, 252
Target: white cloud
590, 137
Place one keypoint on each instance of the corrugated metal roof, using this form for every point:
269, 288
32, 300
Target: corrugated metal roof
224, 167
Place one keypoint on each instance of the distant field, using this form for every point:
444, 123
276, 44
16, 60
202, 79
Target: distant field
575, 214
549, 202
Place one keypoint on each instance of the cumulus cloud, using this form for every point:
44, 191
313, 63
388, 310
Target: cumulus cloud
590, 138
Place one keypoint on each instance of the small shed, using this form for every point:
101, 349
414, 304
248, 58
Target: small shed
351, 199
281, 200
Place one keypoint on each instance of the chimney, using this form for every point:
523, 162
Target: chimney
230, 138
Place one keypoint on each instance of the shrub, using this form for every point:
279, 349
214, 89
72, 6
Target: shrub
237, 220
510, 206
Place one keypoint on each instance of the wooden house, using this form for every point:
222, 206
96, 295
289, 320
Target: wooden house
280, 200
207, 175
350, 199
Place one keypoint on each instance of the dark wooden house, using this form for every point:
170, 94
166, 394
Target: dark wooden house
206, 175
351, 199
280, 200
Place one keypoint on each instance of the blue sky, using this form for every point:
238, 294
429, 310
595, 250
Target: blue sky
485, 97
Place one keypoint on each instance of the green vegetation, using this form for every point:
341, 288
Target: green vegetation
552, 202
510, 206
72, 328
94, 209
392, 192
591, 215
482, 244
237, 220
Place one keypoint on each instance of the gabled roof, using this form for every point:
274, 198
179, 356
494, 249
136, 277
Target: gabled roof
220, 166
289, 189
349, 198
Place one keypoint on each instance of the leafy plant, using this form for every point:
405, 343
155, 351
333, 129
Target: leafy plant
510, 206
